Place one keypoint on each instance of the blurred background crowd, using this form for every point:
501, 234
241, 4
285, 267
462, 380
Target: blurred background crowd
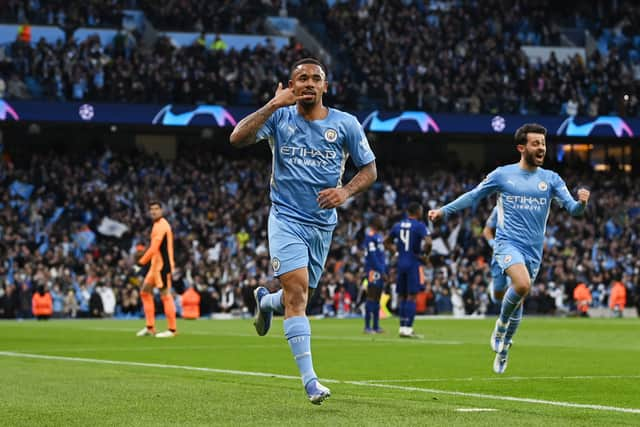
439, 56
73, 224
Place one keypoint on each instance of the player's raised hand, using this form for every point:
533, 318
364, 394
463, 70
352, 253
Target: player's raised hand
330, 198
583, 195
435, 215
285, 96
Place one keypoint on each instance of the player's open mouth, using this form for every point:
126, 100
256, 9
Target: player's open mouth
309, 93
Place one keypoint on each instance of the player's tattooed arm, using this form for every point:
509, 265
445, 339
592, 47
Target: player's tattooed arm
330, 198
246, 130
366, 176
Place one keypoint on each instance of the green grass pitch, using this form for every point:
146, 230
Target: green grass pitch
93, 373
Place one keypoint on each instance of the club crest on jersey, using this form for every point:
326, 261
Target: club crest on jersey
542, 186
275, 263
330, 135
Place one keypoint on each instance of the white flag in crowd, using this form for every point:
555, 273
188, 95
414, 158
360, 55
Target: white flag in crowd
110, 227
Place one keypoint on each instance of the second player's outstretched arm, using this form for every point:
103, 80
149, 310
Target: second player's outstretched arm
482, 190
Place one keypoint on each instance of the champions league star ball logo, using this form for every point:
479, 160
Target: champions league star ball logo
86, 112
498, 123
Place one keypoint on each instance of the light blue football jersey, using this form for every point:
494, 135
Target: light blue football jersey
523, 204
310, 156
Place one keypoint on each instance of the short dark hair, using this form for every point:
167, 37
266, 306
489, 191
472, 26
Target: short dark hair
521, 133
414, 208
155, 202
309, 60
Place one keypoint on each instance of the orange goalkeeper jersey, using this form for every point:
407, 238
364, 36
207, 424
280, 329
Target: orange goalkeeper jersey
160, 252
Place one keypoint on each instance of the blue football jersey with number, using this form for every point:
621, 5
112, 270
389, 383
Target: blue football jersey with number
408, 236
374, 258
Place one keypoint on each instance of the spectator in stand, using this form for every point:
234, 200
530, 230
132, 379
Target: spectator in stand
70, 190
57, 298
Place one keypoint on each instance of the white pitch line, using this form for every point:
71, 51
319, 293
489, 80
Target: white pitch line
291, 377
154, 365
476, 410
506, 398
470, 379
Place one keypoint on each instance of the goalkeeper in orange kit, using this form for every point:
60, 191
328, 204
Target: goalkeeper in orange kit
160, 254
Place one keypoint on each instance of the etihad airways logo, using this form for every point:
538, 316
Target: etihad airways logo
526, 202
307, 156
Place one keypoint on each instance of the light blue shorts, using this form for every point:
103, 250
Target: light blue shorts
506, 255
293, 245
499, 278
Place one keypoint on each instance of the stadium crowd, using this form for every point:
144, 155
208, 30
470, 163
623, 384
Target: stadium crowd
122, 72
54, 236
417, 57
65, 14
213, 16
468, 58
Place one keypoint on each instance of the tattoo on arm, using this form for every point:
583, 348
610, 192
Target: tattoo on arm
246, 130
363, 179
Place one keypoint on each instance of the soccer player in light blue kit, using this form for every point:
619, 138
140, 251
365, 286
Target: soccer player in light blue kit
375, 265
310, 144
525, 191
